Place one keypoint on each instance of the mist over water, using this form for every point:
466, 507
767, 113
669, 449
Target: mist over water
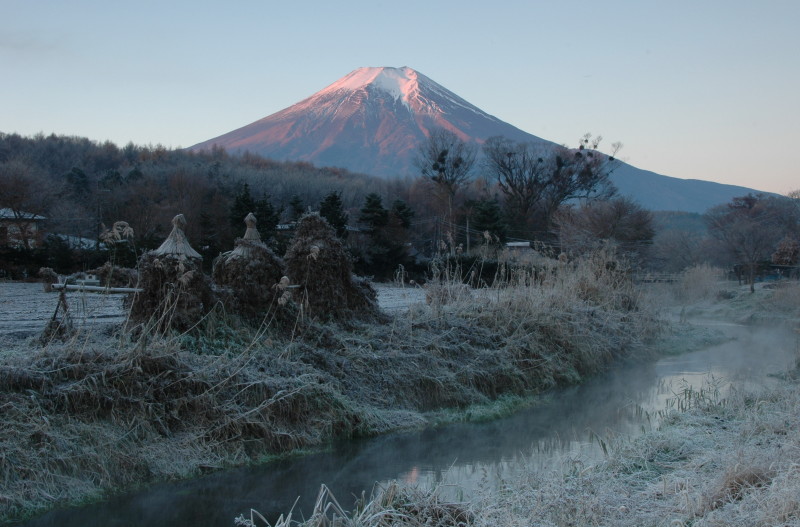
624, 401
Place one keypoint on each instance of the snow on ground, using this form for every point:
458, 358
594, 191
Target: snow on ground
25, 308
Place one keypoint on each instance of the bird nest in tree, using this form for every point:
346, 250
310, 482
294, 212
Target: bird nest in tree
248, 279
319, 264
175, 293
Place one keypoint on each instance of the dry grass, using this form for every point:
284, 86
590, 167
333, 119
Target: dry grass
698, 283
175, 293
730, 462
249, 284
113, 276
392, 505
786, 297
320, 266
733, 463
93, 414
81, 419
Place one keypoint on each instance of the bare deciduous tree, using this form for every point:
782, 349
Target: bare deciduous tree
748, 229
447, 161
538, 178
620, 221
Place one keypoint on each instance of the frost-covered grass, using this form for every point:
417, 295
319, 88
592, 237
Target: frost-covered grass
734, 462
98, 414
713, 462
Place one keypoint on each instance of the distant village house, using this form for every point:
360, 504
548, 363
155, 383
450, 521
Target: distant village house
20, 229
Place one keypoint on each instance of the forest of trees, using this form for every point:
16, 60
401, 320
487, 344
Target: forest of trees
464, 199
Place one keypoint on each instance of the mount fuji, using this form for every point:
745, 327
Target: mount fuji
374, 119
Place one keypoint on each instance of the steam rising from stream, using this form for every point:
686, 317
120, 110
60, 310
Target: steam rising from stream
567, 429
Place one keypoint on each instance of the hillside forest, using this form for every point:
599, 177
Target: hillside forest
465, 204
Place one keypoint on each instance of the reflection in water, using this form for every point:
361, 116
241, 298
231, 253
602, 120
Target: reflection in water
460, 456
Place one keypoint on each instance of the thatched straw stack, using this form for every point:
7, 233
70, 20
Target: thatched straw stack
318, 263
49, 277
247, 277
113, 276
175, 293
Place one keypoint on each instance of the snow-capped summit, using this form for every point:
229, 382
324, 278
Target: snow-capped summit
401, 83
371, 120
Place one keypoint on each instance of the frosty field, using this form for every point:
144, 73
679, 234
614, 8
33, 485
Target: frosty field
25, 308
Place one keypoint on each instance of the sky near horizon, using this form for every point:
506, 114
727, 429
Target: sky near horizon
702, 89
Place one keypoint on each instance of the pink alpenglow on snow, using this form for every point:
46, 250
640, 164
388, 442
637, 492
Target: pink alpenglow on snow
374, 120
386, 113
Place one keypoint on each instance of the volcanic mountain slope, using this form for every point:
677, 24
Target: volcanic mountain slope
371, 121
374, 119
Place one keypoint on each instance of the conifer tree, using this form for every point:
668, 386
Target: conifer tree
265, 212
374, 215
388, 233
487, 216
403, 213
331, 209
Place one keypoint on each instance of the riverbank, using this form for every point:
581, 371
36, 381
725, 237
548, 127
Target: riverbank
102, 413
732, 461
717, 458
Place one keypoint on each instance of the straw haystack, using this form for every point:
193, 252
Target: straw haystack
49, 277
319, 264
114, 276
175, 293
247, 277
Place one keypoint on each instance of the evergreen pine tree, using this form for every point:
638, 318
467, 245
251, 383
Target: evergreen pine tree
331, 209
487, 216
388, 233
403, 213
265, 212
243, 204
373, 214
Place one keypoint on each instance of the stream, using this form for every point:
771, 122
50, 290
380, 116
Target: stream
460, 456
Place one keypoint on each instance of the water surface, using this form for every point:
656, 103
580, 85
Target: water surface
624, 401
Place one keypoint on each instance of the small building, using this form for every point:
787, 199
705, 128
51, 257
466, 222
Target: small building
20, 229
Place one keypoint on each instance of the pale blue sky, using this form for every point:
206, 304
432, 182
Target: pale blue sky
693, 89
